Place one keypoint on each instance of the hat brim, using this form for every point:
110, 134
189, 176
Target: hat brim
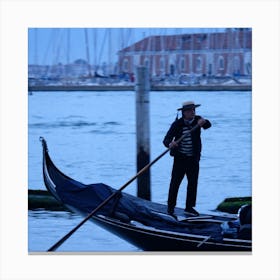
188, 107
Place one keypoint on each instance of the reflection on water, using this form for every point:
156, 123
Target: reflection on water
47, 227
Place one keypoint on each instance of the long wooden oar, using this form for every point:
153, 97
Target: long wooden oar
64, 238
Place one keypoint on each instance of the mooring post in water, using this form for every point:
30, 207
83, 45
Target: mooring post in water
143, 131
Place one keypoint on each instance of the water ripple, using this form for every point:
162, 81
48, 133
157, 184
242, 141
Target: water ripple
74, 124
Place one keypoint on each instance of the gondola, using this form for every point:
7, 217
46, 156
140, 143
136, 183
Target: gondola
143, 223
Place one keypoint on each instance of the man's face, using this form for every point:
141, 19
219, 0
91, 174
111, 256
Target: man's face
189, 113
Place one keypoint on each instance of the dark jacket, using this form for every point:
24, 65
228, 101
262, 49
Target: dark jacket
175, 132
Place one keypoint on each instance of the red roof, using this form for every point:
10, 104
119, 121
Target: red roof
198, 41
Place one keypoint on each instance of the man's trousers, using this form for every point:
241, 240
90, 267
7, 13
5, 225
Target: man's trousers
183, 165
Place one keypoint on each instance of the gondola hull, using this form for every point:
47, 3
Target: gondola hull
142, 223
156, 240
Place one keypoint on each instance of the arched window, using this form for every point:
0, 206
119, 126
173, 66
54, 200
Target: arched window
236, 65
147, 62
182, 64
209, 69
162, 64
249, 68
125, 65
221, 63
172, 69
198, 63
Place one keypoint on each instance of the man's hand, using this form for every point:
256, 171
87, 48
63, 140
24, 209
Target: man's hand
173, 144
201, 122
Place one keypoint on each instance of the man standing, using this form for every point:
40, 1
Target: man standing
186, 155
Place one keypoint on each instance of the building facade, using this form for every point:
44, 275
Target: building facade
227, 53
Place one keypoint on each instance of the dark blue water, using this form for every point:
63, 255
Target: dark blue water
91, 137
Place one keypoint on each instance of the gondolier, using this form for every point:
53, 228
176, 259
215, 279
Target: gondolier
186, 155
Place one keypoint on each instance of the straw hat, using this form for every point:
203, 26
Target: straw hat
188, 105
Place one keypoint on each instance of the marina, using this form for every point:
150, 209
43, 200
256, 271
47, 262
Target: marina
177, 59
117, 88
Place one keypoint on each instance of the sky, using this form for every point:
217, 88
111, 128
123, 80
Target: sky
48, 46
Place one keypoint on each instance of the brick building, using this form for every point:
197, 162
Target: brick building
225, 53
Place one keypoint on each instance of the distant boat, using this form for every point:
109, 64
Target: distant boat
143, 223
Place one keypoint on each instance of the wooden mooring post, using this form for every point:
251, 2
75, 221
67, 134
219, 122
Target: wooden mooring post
142, 89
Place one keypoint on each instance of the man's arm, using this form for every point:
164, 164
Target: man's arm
169, 135
204, 123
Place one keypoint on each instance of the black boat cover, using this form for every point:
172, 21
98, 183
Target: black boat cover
86, 198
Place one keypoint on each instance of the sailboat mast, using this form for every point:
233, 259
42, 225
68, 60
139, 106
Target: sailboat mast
68, 45
87, 52
109, 51
36, 47
95, 48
